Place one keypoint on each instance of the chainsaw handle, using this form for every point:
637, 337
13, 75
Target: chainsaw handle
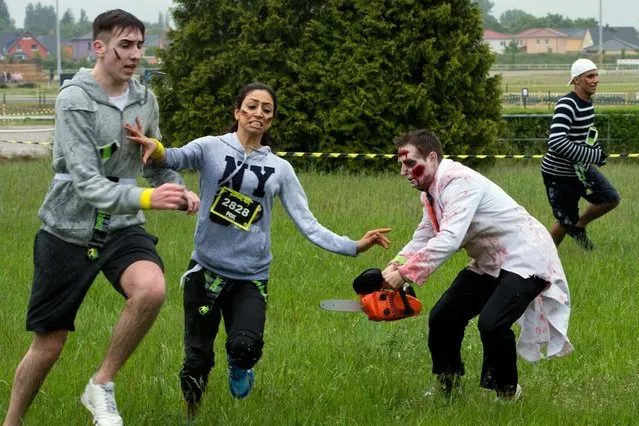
409, 309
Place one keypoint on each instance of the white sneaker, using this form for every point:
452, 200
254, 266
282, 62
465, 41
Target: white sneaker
100, 401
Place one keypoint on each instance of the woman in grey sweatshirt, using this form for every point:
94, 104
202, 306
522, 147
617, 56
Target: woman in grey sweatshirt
229, 269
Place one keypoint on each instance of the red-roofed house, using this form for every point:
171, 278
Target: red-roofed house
26, 47
542, 40
497, 41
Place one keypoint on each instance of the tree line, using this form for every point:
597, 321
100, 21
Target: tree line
40, 20
514, 21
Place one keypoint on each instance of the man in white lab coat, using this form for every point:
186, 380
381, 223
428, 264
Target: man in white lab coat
515, 272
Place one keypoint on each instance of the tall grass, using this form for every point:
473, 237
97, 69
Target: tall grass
323, 368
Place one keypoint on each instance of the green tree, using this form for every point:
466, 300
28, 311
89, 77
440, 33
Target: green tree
488, 20
553, 20
350, 74
83, 25
511, 48
84, 19
39, 19
585, 22
6, 23
67, 25
67, 18
492, 23
515, 20
486, 6
69, 28
160, 20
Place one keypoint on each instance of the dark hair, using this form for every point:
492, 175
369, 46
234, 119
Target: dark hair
267, 139
424, 140
116, 18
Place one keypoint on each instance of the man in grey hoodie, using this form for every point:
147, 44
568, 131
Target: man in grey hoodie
92, 219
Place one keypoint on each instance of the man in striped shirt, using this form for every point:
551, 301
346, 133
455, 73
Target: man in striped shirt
568, 168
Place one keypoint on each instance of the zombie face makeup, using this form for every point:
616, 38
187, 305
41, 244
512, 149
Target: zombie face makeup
255, 115
120, 52
419, 171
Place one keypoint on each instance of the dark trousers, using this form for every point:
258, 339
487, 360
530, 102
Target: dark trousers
242, 304
499, 302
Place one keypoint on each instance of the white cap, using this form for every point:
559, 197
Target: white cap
579, 67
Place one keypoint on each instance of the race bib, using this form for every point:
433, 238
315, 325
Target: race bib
591, 139
235, 208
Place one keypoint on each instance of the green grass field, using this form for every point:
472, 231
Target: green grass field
616, 89
555, 81
323, 368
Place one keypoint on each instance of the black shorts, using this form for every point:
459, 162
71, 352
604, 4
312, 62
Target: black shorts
564, 194
63, 274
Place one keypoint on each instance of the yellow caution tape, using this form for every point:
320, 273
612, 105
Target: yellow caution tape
387, 156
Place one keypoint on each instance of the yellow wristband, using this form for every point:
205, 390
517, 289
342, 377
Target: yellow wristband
145, 199
158, 154
400, 260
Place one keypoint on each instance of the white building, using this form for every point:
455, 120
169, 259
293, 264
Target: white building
497, 41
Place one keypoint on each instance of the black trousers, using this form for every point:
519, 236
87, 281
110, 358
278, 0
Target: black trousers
207, 299
499, 302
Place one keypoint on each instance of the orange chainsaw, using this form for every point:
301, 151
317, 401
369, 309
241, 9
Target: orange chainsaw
378, 304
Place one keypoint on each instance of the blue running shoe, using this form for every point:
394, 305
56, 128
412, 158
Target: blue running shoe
240, 381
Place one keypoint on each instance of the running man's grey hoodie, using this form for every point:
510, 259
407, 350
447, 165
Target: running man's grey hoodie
261, 175
86, 124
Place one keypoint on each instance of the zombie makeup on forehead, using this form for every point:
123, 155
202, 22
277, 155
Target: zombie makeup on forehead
403, 153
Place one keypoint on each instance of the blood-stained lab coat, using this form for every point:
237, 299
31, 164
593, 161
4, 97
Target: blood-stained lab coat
471, 212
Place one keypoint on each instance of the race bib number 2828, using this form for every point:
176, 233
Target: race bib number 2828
235, 207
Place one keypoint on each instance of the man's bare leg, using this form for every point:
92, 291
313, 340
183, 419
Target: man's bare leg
144, 283
44, 351
557, 232
593, 211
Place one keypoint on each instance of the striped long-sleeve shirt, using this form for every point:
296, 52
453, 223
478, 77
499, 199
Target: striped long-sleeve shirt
572, 119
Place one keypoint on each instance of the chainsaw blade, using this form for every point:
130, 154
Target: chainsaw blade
341, 305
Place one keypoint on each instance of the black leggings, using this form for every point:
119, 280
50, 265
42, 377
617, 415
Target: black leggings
499, 302
242, 304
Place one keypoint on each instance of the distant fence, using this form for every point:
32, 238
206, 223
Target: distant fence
39, 98
628, 64
603, 98
555, 67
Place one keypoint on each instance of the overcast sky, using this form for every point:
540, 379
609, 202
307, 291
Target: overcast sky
146, 10
618, 13
615, 12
